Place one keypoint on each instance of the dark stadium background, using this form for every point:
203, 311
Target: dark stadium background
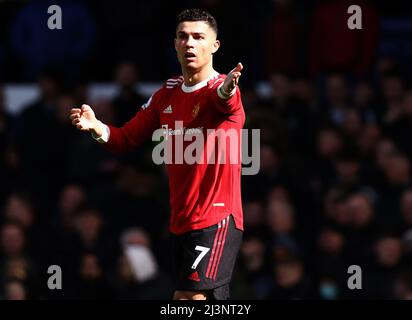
334, 107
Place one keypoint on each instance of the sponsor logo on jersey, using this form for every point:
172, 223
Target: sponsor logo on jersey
168, 109
194, 276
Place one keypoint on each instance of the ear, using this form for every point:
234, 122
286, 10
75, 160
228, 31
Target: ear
216, 46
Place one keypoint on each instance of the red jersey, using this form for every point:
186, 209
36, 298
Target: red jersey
201, 194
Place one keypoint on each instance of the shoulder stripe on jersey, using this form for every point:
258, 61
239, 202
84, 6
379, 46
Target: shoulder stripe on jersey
174, 82
180, 78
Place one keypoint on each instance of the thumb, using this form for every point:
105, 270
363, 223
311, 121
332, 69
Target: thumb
86, 107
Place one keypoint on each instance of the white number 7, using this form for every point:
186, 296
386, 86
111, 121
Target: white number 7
203, 251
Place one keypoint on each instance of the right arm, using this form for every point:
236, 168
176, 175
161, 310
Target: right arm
117, 140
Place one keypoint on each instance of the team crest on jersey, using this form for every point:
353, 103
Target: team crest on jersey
195, 110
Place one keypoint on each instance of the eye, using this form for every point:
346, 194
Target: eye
182, 36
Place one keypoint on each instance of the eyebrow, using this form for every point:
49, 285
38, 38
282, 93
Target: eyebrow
194, 33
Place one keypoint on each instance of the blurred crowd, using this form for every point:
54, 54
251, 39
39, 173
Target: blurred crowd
334, 187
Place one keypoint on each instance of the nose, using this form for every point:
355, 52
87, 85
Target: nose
190, 42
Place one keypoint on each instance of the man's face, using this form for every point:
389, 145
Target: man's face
195, 43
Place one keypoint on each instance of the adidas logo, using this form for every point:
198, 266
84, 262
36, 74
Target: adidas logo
168, 109
194, 276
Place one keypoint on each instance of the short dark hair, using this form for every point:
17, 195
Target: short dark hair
197, 15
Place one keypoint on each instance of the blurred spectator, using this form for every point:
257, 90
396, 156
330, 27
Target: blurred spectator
369, 138
281, 92
364, 100
302, 116
330, 264
348, 171
396, 178
272, 172
380, 282
329, 144
336, 101
384, 151
406, 207
280, 217
253, 214
360, 209
15, 263
15, 290
291, 282
40, 154
88, 225
92, 282
388, 251
13, 240
392, 86
138, 275
398, 170
91, 235
128, 101
19, 209
72, 197
403, 284
135, 194
254, 265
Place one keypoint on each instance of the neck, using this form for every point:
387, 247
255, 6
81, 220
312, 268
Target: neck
193, 77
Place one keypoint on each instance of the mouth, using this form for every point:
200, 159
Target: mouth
190, 56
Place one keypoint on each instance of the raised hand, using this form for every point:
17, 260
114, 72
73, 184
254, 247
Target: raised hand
84, 119
232, 79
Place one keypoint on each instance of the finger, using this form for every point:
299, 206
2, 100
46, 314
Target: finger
77, 117
75, 110
239, 67
235, 78
86, 107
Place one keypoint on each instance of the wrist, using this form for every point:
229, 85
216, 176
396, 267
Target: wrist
223, 94
97, 129
101, 132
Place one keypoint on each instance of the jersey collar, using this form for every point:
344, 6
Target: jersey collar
189, 89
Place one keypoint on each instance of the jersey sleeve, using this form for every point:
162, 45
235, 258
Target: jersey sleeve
231, 105
136, 130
